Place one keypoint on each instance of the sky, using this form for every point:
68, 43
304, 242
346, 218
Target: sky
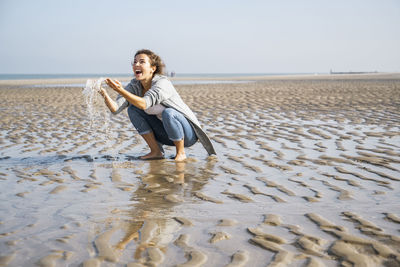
208, 36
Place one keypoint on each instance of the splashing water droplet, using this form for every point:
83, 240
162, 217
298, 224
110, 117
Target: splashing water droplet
99, 115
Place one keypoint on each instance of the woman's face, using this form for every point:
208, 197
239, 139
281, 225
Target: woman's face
142, 68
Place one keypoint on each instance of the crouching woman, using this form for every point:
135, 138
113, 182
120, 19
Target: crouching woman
156, 109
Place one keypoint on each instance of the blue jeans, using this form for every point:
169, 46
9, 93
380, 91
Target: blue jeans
173, 127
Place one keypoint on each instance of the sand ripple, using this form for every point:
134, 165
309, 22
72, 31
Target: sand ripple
307, 174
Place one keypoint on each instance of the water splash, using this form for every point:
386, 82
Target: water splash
98, 113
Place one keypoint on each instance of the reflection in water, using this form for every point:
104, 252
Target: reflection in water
152, 227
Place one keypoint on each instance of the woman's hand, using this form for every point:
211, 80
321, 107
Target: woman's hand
115, 85
102, 92
111, 104
130, 97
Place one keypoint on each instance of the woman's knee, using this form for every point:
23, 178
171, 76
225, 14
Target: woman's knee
134, 113
138, 120
133, 110
168, 113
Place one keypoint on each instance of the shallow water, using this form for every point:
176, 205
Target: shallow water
307, 173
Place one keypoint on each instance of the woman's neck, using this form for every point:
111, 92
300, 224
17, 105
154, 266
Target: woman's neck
146, 84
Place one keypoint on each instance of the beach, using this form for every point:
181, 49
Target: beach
307, 173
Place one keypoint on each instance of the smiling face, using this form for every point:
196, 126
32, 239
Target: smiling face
142, 68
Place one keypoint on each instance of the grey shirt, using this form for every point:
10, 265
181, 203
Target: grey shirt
163, 92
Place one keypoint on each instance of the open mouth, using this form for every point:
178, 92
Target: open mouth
138, 72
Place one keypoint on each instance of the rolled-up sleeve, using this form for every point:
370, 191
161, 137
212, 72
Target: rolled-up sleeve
122, 103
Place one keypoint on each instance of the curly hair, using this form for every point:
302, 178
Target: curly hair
155, 60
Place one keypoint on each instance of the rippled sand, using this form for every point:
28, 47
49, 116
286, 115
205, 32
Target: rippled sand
307, 174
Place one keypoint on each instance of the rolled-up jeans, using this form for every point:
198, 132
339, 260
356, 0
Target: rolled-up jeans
173, 127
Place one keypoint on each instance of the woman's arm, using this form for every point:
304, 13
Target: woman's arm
135, 100
111, 104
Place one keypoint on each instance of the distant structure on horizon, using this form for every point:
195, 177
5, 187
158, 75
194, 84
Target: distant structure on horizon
351, 72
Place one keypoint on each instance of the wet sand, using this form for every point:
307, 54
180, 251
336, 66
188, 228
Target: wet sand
307, 174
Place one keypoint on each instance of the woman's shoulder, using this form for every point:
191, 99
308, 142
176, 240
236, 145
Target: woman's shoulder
161, 81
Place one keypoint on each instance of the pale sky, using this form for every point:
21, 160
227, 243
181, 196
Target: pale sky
207, 36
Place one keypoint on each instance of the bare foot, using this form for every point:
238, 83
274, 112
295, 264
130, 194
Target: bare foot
153, 155
180, 157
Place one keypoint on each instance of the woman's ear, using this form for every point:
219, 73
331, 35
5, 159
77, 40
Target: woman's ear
153, 68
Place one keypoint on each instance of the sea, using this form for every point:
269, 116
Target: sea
195, 78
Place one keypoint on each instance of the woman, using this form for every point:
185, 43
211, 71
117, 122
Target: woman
155, 109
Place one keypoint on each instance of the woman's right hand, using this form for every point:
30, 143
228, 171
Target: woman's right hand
107, 99
103, 92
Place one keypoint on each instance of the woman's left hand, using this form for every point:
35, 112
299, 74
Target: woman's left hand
114, 84
130, 97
